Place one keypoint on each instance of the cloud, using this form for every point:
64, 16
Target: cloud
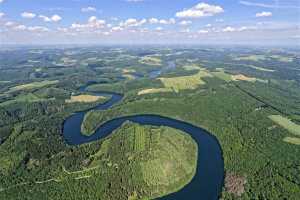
131, 22
153, 21
2, 14
162, 21
170, 21
37, 28
28, 15
117, 28
203, 31
53, 18
1, 1
239, 29
45, 18
9, 23
88, 9
92, 23
228, 29
263, 5
264, 14
20, 27
56, 18
185, 23
200, 10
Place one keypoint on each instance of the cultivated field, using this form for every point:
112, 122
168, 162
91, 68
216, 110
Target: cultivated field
33, 85
261, 68
292, 140
185, 82
148, 60
154, 90
84, 98
23, 98
241, 77
221, 74
286, 123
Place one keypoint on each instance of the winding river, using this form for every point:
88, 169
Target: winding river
208, 180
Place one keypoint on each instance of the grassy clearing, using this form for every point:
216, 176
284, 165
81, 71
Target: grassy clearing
257, 58
154, 90
292, 140
261, 68
33, 85
221, 74
286, 123
23, 98
282, 58
191, 67
84, 98
251, 57
139, 139
185, 82
241, 77
148, 60
126, 71
4, 82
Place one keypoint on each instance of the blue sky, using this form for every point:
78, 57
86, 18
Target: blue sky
150, 21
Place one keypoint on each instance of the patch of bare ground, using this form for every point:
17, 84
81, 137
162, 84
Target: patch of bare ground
234, 184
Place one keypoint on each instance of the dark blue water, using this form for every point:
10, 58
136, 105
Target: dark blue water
208, 180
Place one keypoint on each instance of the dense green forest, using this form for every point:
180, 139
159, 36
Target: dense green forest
233, 100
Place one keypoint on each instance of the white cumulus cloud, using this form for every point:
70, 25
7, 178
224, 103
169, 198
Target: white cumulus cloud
264, 14
9, 23
37, 28
20, 27
117, 28
53, 18
131, 22
56, 18
92, 23
153, 21
228, 29
203, 31
162, 21
2, 14
28, 15
185, 23
200, 10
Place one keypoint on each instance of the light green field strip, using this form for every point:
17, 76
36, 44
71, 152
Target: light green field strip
185, 82
265, 57
286, 123
261, 68
32, 85
292, 140
24, 98
149, 60
154, 90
